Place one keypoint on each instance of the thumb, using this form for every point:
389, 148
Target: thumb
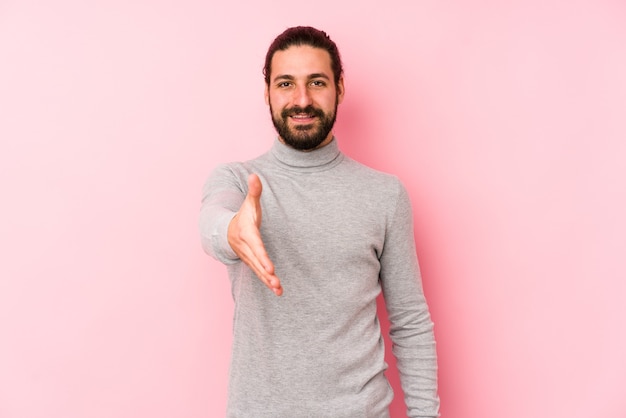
254, 186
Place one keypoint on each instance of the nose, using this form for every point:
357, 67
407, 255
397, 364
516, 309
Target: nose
302, 96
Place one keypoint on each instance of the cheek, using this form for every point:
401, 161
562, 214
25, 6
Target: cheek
329, 102
277, 101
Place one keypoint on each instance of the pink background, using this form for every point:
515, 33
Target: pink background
506, 121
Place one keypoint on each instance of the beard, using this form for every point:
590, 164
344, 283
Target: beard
304, 137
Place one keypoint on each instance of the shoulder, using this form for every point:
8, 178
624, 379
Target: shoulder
380, 191
236, 171
375, 180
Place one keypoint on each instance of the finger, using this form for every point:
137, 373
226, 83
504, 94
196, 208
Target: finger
269, 279
255, 187
251, 238
251, 250
253, 199
264, 269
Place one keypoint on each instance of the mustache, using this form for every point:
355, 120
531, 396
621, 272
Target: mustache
309, 110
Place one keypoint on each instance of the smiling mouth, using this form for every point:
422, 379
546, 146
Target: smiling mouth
303, 117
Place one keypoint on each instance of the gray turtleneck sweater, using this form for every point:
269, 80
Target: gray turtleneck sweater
338, 233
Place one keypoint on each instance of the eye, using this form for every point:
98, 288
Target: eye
283, 84
318, 83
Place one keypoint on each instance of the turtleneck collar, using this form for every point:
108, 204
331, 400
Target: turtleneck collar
317, 160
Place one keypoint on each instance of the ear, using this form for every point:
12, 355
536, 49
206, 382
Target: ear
267, 94
341, 90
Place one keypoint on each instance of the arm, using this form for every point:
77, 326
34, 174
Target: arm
229, 224
411, 328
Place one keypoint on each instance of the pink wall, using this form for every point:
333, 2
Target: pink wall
506, 120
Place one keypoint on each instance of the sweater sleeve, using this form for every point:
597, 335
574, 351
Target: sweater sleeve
411, 328
222, 196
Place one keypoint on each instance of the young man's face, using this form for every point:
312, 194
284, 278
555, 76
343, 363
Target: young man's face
303, 97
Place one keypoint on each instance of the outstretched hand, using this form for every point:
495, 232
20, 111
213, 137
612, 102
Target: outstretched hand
244, 237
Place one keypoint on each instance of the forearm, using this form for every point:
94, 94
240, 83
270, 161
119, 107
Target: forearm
415, 351
221, 198
213, 224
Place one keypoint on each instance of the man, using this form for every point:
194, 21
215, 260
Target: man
310, 238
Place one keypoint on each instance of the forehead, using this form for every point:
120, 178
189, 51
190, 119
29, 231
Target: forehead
301, 61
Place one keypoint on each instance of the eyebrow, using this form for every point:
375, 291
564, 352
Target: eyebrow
292, 78
318, 75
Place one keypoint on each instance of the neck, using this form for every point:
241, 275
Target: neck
321, 158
